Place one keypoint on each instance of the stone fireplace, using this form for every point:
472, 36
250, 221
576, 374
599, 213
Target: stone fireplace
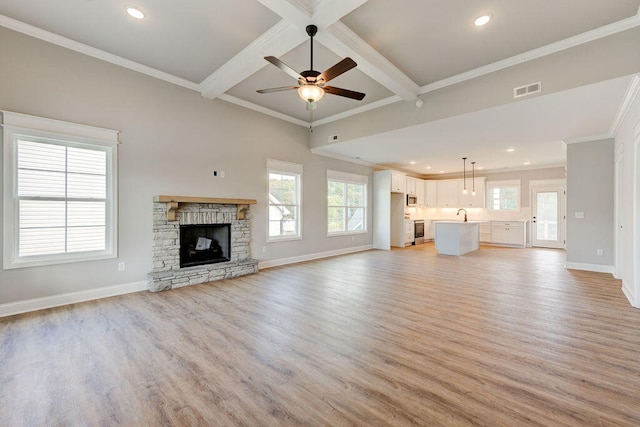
215, 237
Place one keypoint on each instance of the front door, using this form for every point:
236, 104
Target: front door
547, 223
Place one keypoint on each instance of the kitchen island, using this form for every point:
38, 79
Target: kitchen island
457, 237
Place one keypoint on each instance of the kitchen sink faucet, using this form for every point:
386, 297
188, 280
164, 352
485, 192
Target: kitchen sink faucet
465, 214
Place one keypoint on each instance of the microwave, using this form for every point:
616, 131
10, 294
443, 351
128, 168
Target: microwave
412, 200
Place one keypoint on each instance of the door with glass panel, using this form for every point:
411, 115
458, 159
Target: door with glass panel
547, 222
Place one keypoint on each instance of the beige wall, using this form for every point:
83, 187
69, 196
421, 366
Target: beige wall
171, 141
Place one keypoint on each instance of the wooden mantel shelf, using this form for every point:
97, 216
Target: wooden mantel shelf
174, 201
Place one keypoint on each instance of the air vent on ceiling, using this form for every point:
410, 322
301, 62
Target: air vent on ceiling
525, 90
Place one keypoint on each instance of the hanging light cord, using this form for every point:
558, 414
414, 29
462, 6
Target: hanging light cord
464, 174
473, 168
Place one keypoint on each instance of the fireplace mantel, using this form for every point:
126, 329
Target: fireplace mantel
174, 202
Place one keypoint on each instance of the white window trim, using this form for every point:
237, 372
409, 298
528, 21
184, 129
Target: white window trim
15, 125
507, 183
277, 166
333, 175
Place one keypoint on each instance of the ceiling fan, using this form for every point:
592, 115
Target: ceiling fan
311, 84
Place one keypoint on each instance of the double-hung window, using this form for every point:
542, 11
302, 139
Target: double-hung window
285, 201
59, 191
346, 203
503, 195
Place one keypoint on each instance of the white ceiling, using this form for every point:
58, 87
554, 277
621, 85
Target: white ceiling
402, 49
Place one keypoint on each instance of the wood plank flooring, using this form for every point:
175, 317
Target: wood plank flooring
496, 337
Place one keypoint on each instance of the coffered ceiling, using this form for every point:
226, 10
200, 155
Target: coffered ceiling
403, 48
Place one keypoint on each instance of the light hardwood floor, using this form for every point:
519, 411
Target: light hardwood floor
496, 337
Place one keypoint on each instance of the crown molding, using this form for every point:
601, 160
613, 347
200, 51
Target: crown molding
632, 93
50, 37
263, 110
358, 110
588, 138
318, 151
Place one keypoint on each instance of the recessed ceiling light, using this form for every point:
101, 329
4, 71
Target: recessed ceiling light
441, 171
428, 167
510, 150
483, 20
480, 168
412, 162
136, 13
527, 163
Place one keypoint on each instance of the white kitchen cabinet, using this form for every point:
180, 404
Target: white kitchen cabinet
430, 194
420, 192
410, 185
470, 200
429, 229
447, 193
509, 233
397, 182
409, 231
485, 232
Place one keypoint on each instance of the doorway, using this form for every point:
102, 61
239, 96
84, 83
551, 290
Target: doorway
548, 216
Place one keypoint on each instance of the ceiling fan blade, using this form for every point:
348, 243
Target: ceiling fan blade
344, 92
284, 67
341, 67
277, 89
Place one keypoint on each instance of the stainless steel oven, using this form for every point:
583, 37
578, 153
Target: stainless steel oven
418, 234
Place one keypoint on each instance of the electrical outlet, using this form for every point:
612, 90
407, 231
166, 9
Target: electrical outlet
579, 215
122, 266
599, 252
221, 174
264, 249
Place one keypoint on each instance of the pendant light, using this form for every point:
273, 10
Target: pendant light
473, 168
464, 175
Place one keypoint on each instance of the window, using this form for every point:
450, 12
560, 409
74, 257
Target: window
285, 206
346, 203
59, 191
503, 195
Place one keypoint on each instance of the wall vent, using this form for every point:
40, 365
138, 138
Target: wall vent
525, 90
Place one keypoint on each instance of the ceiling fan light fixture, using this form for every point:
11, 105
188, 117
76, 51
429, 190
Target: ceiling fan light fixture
310, 93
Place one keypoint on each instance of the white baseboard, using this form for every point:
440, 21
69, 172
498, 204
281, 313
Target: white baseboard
626, 290
9, 309
310, 257
598, 268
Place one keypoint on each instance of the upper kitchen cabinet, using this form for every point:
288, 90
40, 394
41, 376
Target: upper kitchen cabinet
397, 182
470, 200
447, 193
420, 192
410, 185
430, 194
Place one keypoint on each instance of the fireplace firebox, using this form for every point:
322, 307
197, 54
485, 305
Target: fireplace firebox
204, 244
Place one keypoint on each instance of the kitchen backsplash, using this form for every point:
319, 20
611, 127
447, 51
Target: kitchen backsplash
473, 214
